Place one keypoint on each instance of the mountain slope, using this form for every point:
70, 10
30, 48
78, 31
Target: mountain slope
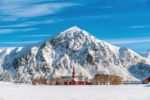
146, 54
73, 48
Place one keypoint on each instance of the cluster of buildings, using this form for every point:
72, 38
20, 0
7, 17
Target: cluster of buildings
82, 80
76, 80
99, 79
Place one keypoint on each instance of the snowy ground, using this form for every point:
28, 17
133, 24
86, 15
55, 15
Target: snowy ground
10, 91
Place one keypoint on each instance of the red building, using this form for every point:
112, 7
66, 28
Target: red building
76, 80
148, 79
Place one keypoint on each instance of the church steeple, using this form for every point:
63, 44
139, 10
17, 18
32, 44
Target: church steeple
73, 73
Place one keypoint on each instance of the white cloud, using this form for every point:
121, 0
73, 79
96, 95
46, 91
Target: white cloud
20, 42
7, 18
38, 35
4, 31
98, 16
129, 41
139, 26
7, 31
31, 23
27, 29
16, 25
27, 8
19, 2
84, 17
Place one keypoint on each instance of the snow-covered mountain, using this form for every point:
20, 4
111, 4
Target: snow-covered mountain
146, 54
73, 48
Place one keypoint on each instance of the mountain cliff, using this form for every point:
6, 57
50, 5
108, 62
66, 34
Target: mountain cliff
73, 48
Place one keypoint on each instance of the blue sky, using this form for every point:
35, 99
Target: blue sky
124, 23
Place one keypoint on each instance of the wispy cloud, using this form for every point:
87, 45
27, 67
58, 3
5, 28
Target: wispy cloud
7, 18
31, 23
28, 8
128, 41
7, 31
4, 31
83, 17
50, 21
16, 25
139, 26
26, 29
98, 16
38, 35
20, 42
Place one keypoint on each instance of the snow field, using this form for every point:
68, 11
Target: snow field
98, 92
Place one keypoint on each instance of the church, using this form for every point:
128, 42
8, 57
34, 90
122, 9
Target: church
76, 80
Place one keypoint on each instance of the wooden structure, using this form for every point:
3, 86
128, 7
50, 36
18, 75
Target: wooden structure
147, 80
76, 80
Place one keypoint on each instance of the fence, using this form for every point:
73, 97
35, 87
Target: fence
132, 82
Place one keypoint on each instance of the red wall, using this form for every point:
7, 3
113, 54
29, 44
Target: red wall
148, 79
77, 83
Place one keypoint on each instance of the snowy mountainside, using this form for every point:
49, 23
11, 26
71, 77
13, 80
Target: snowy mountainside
146, 54
73, 48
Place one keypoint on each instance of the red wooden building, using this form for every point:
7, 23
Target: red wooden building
77, 80
148, 79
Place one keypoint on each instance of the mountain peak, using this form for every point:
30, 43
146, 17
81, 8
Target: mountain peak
73, 29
